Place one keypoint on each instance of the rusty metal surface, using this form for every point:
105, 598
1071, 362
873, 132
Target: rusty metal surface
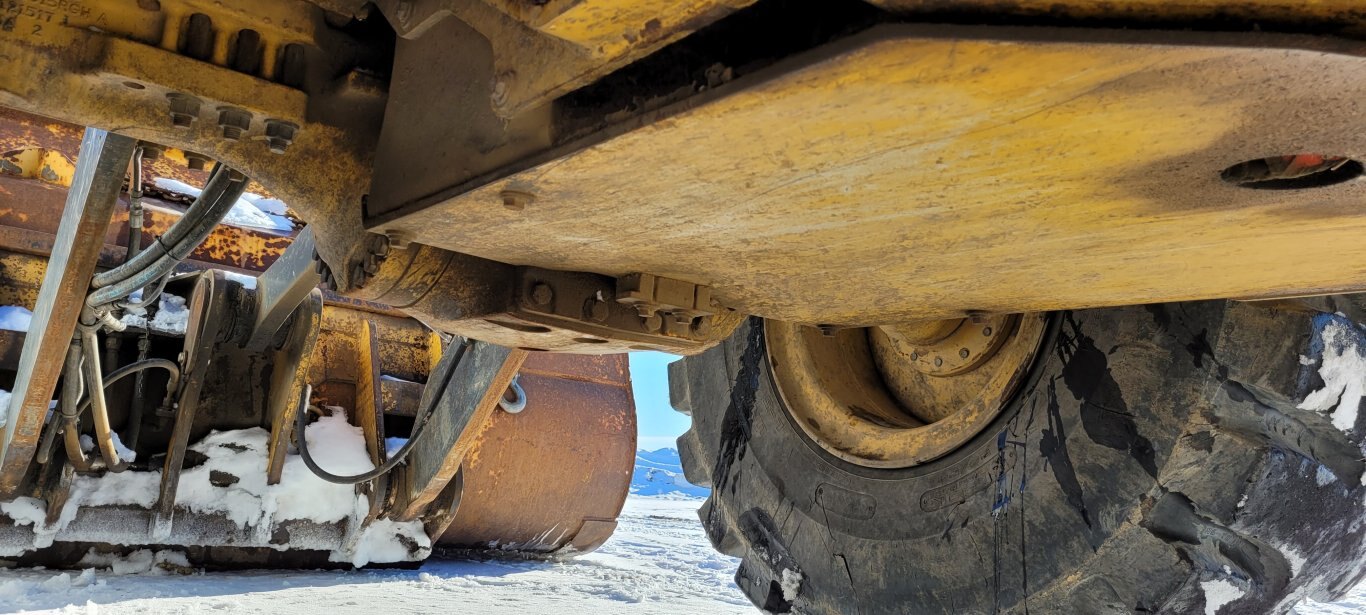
1023, 184
90, 203
150, 73
541, 309
555, 475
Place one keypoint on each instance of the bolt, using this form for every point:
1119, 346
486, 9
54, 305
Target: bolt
977, 316
379, 246
197, 162
184, 110
939, 361
652, 323
279, 135
702, 326
516, 200
150, 151
398, 240
963, 353
986, 331
915, 356
233, 122
828, 330
371, 264
542, 294
596, 311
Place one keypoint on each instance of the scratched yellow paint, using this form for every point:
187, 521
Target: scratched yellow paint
918, 172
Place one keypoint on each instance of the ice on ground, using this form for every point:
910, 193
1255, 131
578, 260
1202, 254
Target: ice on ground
172, 316
1218, 593
15, 317
251, 210
1343, 371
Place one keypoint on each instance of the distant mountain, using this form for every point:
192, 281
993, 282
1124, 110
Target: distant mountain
660, 473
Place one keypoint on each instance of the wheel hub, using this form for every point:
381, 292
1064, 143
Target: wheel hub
901, 395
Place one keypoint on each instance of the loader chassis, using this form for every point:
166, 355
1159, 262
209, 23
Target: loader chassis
853, 218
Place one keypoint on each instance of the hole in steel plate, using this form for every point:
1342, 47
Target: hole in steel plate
589, 340
134, 85
1292, 172
516, 326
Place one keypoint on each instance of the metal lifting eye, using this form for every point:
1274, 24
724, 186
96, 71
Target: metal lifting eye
518, 403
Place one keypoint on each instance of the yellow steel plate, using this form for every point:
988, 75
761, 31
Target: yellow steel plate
918, 172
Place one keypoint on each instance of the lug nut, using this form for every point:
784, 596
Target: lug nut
233, 122
542, 294
279, 135
184, 110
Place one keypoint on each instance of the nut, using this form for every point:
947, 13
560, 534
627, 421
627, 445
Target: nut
184, 110
279, 135
197, 162
398, 240
233, 122
596, 311
542, 294
516, 200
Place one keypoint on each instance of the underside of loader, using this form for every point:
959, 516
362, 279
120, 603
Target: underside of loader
984, 305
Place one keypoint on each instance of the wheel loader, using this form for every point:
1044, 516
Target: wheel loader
983, 305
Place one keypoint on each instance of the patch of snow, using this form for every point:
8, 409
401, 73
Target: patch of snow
791, 584
658, 561
383, 541
26, 511
1307, 361
247, 281
249, 210
1344, 376
4, 407
15, 317
1324, 476
1242, 501
1218, 593
172, 316
142, 561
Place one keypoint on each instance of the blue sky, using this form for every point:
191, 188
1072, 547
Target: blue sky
658, 424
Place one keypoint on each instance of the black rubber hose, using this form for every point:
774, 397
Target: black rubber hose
220, 193
221, 196
133, 368
301, 423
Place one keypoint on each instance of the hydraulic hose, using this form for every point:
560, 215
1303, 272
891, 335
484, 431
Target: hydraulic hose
135, 208
221, 192
104, 436
301, 423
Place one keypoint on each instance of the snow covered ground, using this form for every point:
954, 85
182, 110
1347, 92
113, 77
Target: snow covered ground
658, 561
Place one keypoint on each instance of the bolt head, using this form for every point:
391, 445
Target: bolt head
939, 361
652, 323
963, 353
398, 240
277, 145
828, 330
702, 326
987, 331
597, 311
542, 294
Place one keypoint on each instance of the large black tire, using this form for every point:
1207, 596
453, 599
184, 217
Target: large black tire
1155, 461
